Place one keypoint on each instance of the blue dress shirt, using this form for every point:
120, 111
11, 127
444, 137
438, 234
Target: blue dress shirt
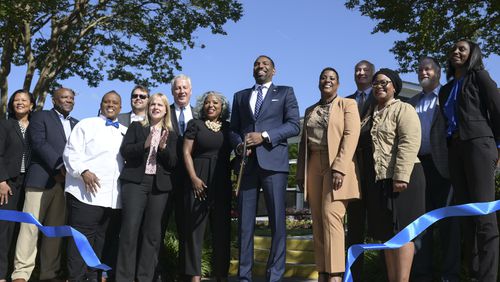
426, 109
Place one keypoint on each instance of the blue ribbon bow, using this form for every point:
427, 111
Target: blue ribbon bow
418, 226
81, 241
112, 123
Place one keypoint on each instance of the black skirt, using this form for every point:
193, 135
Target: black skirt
390, 212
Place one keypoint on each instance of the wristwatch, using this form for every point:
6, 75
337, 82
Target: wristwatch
265, 136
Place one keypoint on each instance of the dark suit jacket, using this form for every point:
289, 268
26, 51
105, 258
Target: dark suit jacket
478, 106
279, 116
180, 169
439, 149
47, 139
368, 106
12, 146
135, 155
124, 119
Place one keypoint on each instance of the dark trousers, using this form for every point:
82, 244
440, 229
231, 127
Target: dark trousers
472, 171
274, 187
99, 225
142, 209
438, 194
177, 203
9, 229
356, 209
216, 210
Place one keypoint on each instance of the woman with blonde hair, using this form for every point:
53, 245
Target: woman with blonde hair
149, 150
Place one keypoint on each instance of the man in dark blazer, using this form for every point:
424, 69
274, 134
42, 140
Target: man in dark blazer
44, 198
264, 116
139, 98
356, 210
433, 155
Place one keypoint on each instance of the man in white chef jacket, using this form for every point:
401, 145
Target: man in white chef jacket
93, 163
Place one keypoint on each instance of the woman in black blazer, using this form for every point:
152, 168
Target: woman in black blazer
149, 150
14, 161
471, 104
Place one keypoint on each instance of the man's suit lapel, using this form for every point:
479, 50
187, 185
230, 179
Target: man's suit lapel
72, 122
145, 131
195, 114
173, 117
369, 103
58, 123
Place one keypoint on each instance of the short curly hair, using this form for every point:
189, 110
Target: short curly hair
225, 111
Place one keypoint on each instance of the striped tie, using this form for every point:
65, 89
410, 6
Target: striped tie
258, 103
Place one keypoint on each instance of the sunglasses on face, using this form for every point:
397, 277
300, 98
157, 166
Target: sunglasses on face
142, 96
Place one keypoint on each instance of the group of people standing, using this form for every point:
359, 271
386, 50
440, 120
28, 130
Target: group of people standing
117, 177
385, 162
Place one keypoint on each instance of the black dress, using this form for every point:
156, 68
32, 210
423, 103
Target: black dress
211, 152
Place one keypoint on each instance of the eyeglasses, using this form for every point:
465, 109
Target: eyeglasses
142, 96
382, 83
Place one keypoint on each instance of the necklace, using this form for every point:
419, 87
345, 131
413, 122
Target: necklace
213, 125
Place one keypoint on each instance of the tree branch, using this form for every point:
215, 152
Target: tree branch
28, 54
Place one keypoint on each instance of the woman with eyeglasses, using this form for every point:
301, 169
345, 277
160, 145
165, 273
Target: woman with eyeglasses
470, 102
14, 161
398, 197
326, 172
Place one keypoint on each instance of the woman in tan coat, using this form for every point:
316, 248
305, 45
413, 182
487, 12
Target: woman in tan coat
398, 197
327, 173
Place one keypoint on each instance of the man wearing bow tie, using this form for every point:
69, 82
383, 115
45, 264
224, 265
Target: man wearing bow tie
264, 116
93, 164
44, 197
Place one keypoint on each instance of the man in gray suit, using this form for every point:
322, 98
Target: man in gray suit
139, 102
433, 155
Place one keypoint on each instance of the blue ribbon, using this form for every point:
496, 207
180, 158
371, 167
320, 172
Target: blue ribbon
418, 226
81, 241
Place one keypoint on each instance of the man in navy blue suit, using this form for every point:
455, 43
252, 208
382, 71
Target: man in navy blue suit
44, 192
265, 115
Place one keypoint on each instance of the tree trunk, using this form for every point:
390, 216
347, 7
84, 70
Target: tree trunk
41, 89
28, 54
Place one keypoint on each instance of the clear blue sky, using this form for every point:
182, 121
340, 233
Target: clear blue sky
301, 36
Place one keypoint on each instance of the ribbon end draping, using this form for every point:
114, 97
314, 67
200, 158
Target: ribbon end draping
81, 241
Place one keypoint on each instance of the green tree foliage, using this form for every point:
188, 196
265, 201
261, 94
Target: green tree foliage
432, 26
98, 39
